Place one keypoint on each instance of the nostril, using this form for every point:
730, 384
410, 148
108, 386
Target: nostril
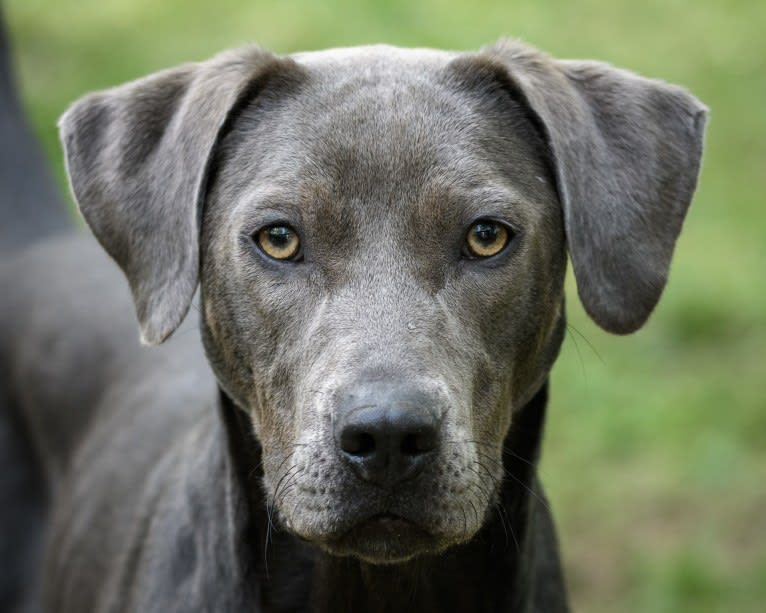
416, 443
356, 442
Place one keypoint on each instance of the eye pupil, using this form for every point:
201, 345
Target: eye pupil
486, 238
279, 242
279, 235
485, 233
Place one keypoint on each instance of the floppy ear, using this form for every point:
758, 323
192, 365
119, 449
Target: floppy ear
138, 157
626, 154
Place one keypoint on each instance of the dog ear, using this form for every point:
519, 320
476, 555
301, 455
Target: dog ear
626, 153
138, 157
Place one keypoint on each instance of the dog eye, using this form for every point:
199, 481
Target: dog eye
486, 238
279, 242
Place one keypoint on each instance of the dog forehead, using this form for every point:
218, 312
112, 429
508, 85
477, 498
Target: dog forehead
380, 84
379, 58
376, 125
383, 106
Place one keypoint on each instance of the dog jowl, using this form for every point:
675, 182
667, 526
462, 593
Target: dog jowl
380, 238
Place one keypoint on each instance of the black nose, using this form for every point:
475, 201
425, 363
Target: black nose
387, 433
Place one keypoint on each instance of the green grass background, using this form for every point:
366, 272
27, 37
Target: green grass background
655, 458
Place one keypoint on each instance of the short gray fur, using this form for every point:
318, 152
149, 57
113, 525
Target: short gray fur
164, 467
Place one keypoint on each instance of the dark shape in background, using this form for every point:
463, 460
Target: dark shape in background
24, 174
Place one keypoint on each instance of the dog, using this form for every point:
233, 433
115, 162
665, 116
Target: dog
350, 418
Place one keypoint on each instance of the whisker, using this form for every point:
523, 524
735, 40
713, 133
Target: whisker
513, 454
530, 490
499, 463
579, 353
282, 463
495, 480
478, 474
520, 482
281, 480
291, 482
266, 544
500, 510
504, 519
491, 446
272, 504
585, 338
475, 512
502, 522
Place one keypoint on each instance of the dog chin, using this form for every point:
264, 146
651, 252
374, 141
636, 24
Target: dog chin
385, 539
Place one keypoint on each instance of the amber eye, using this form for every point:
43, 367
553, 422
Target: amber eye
486, 238
279, 242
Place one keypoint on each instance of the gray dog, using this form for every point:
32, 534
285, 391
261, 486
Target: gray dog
379, 237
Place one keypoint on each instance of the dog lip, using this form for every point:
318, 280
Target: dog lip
380, 525
383, 538
387, 523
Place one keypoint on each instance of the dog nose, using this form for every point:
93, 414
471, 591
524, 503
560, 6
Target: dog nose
387, 434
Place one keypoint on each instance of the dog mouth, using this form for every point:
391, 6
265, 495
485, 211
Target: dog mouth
386, 526
384, 538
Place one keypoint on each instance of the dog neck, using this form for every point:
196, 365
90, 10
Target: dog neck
494, 571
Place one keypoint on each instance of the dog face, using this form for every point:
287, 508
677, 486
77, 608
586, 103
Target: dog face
385, 174
381, 244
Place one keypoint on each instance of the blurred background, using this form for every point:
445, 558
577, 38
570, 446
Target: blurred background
655, 458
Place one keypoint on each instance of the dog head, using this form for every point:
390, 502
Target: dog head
380, 238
